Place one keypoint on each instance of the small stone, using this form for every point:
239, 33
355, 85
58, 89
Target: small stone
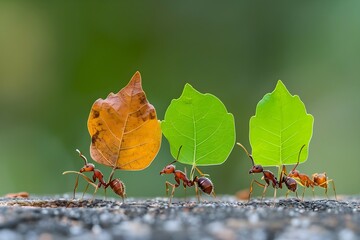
9, 235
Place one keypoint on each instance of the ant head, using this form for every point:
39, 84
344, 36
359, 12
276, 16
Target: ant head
89, 167
256, 169
294, 173
168, 169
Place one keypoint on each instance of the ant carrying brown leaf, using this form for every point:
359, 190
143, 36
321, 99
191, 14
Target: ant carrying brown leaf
116, 184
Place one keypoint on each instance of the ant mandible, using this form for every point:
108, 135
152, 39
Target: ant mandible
317, 179
202, 182
269, 177
115, 184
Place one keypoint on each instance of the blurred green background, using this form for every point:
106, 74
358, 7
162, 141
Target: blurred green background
56, 59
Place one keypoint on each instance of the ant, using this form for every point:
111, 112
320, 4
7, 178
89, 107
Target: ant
322, 180
269, 177
303, 179
202, 182
317, 179
116, 184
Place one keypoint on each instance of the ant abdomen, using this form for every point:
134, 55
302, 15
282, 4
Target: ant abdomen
118, 187
204, 184
290, 183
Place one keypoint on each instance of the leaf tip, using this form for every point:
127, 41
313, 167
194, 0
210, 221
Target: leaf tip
137, 73
134, 83
188, 87
187, 94
136, 77
280, 82
280, 85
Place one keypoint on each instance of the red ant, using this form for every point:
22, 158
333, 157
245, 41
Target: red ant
322, 180
302, 179
269, 177
116, 184
202, 182
317, 179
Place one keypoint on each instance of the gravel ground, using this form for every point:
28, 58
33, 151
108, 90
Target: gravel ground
225, 218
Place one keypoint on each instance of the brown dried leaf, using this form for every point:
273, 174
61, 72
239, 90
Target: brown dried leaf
124, 129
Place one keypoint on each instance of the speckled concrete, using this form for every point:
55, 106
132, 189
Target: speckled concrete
225, 218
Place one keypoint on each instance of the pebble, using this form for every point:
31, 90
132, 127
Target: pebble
7, 234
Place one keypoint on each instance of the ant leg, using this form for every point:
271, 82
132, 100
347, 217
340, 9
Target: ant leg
94, 193
185, 192
261, 185
86, 188
167, 184
327, 196
322, 185
201, 173
287, 194
111, 175
303, 193
76, 185
263, 194
197, 192
105, 194
213, 193
333, 185
172, 193
123, 198
250, 190
184, 182
167, 188
251, 187
86, 178
274, 196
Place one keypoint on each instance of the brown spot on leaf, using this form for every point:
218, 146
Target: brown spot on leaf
152, 113
96, 114
142, 99
95, 137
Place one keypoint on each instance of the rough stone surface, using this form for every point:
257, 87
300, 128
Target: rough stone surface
224, 218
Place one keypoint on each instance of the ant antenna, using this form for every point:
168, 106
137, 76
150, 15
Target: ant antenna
177, 157
247, 153
82, 156
299, 157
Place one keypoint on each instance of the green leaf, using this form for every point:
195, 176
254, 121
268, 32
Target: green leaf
279, 128
200, 124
